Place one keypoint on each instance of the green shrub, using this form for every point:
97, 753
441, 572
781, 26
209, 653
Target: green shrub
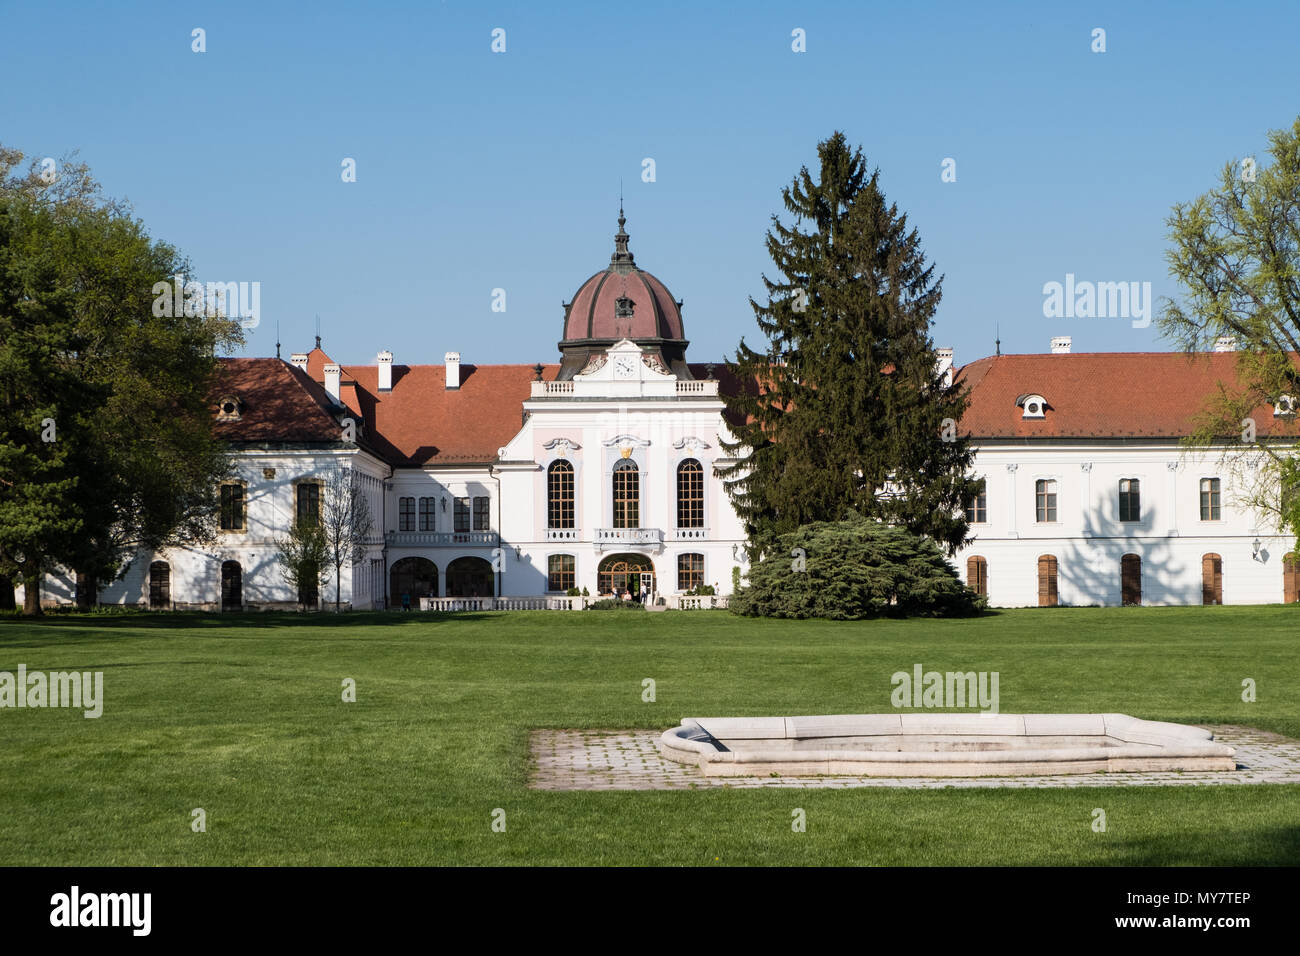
847, 570
572, 592
614, 604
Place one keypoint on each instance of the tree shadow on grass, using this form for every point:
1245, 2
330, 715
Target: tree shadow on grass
1229, 846
196, 620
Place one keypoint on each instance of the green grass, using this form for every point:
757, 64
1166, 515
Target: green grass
242, 716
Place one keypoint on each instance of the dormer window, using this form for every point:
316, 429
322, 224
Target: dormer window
229, 408
1284, 407
1032, 406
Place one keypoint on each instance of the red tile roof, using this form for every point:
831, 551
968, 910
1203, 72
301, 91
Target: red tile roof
421, 421
1101, 394
279, 403
1089, 396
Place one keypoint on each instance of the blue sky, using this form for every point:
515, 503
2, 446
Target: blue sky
479, 170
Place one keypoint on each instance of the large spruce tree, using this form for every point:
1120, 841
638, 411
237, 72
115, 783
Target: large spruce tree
846, 412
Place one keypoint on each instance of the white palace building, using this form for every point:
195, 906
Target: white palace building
507, 485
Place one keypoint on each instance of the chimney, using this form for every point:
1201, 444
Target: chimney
332, 375
943, 365
299, 360
453, 369
1225, 343
1061, 345
385, 359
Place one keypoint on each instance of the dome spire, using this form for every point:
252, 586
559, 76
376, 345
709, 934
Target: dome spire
621, 260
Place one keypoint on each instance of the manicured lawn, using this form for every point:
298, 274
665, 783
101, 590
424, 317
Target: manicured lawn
243, 717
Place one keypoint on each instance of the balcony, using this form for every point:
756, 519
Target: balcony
688, 534
607, 538
437, 539
563, 534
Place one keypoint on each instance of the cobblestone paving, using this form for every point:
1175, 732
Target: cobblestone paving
628, 760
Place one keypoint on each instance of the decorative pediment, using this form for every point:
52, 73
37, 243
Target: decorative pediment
691, 443
561, 446
626, 441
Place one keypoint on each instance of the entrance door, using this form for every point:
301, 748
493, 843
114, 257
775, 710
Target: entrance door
232, 586
1047, 580
1130, 579
1211, 579
1290, 578
620, 572
160, 584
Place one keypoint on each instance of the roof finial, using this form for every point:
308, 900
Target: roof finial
997, 343
277, 338
621, 257
318, 330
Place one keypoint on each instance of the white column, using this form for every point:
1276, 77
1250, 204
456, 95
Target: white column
1012, 502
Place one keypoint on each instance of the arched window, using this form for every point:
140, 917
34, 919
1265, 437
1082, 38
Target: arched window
1130, 579
559, 494
690, 494
1047, 596
160, 584
977, 575
623, 571
410, 579
627, 495
560, 572
1211, 579
470, 577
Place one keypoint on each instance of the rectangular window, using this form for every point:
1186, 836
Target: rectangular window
309, 502
559, 572
1045, 495
1130, 501
427, 521
690, 571
1210, 505
462, 514
978, 512
406, 514
232, 507
483, 514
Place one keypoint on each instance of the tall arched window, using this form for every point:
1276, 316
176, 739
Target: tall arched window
627, 495
690, 494
559, 494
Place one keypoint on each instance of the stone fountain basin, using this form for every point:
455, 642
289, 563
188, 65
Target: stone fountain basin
940, 745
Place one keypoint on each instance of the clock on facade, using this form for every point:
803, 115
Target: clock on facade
624, 366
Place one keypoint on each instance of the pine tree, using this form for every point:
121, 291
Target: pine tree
847, 413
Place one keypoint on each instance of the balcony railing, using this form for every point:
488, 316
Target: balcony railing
634, 537
424, 539
563, 534
688, 534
